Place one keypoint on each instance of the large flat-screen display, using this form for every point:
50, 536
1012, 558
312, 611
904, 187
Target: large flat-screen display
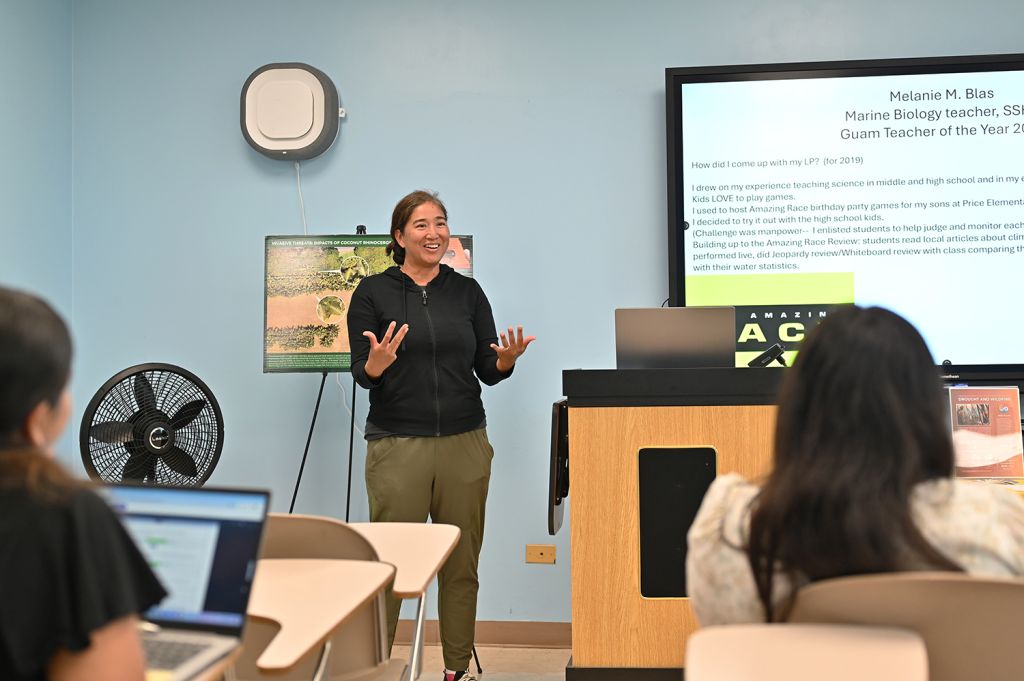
795, 187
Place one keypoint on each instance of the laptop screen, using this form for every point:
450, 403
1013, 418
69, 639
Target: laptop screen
675, 337
202, 543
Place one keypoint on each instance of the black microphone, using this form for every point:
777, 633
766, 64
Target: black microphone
772, 354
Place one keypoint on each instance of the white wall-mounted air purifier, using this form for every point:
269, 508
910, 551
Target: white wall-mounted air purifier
290, 111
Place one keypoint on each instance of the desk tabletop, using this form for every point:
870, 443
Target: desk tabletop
417, 550
310, 599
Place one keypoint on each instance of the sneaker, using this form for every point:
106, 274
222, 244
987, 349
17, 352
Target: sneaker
459, 676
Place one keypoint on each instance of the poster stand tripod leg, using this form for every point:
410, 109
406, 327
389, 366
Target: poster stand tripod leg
360, 229
309, 438
351, 440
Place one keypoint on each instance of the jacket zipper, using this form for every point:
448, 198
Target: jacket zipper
433, 352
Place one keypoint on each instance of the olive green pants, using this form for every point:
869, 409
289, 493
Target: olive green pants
446, 478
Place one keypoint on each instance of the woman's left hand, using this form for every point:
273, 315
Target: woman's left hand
512, 346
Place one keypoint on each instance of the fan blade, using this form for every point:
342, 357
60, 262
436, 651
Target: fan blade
180, 462
187, 414
112, 432
138, 467
144, 396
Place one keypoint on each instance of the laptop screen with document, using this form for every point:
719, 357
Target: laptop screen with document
202, 543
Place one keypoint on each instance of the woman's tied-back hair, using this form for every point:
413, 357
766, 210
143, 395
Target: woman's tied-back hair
400, 217
861, 421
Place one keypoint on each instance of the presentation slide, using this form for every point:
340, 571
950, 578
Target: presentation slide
905, 191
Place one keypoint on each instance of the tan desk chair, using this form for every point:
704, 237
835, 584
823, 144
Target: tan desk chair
805, 652
417, 550
970, 625
359, 649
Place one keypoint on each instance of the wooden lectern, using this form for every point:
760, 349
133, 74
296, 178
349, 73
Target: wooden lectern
617, 631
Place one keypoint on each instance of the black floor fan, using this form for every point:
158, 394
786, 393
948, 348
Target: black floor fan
153, 424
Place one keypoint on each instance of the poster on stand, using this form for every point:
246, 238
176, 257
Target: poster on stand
308, 285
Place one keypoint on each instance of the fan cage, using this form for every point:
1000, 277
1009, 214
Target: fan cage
172, 388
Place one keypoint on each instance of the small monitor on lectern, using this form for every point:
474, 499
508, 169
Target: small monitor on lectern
984, 376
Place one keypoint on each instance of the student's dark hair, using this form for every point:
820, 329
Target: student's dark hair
35, 364
400, 217
35, 358
861, 421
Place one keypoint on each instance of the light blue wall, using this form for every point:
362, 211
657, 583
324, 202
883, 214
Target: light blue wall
541, 124
35, 157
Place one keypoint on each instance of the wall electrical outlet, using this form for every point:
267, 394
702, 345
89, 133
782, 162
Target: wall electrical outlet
540, 553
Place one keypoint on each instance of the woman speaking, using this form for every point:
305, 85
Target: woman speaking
422, 339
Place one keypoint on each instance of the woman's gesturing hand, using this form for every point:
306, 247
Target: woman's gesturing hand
512, 346
383, 353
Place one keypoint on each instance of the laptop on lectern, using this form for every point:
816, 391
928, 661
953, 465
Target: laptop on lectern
675, 337
203, 544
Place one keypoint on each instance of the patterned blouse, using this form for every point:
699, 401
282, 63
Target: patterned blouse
979, 526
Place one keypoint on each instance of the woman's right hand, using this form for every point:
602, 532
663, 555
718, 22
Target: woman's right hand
384, 352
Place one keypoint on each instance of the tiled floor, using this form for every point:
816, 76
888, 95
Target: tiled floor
499, 664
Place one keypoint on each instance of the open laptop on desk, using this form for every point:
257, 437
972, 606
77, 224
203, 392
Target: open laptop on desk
203, 544
675, 337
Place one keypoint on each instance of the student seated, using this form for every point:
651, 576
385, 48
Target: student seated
71, 579
862, 482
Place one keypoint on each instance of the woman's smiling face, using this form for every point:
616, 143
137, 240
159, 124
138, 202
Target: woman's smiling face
425, 236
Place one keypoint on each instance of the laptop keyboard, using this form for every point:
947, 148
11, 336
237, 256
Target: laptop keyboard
161, 654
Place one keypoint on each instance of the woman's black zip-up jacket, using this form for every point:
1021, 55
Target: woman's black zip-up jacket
430, 389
